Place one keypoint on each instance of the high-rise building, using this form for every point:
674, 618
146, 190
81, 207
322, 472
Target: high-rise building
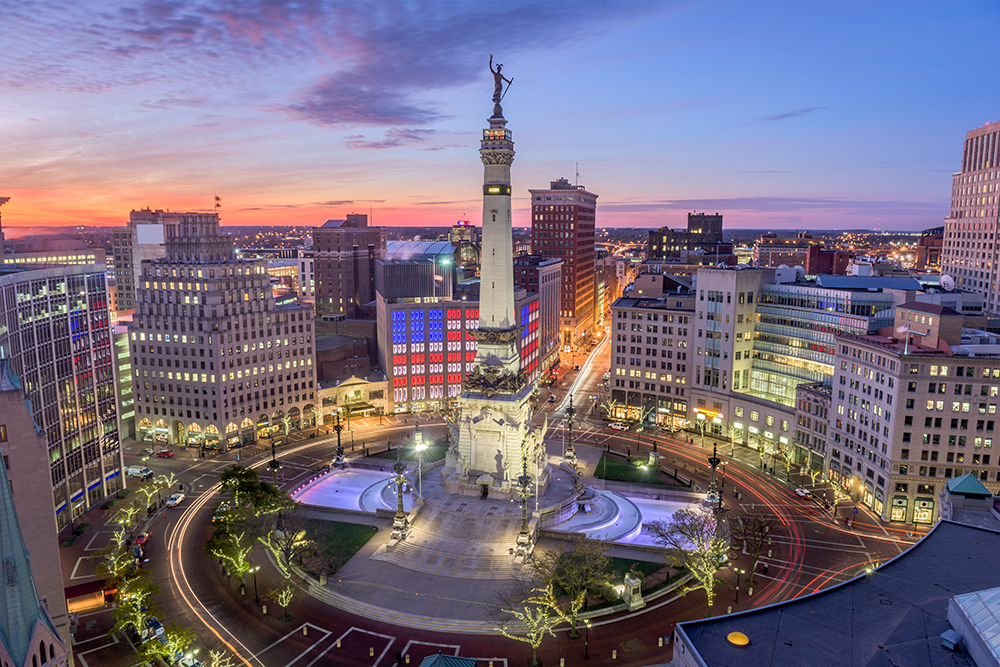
34, 626
344, 255
543, 276
215, 361
928, 252
971, 240
144, 238
56, 333
562, 226
914, 410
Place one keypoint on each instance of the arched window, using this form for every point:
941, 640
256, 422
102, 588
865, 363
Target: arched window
52, 651
41, 652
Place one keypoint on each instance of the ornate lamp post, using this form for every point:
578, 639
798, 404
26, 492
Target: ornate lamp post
524, 489
714, 461
570, 454
274, 464
700, 419
586, 642
400, 525
338, 427
739, 573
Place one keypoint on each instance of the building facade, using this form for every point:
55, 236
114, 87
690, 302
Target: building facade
56, 332
216, 363
913, 410
562, 226
344, 256
543, 276
971, 242
651, 374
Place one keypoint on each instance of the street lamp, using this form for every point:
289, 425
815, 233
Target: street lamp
338, 427
739, 573
274, 464
570, 453
418, 444
700, 419
586, 642
256, 597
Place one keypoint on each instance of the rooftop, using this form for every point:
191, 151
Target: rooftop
869, 283
414, 250
930, 309
892, 616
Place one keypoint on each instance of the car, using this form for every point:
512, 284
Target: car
607, 376
145, 452
138, 471
175, 500
618, 427
577, 367
551, 399
165, 453
804, 493
141, 539
220, 512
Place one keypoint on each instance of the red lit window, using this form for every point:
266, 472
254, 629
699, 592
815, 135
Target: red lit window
470, 356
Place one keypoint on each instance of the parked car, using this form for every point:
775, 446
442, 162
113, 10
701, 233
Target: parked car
165, 453
138, 471
804, 493
552, 398
142, 538
618, 427
145, 452
175, 500
220, 512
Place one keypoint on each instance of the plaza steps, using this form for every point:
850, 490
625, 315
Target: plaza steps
413, 555
452, 525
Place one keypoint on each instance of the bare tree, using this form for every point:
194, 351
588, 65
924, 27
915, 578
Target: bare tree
751, 529
219, 659
524, 612
287, 543
284, 597
573, 569
694, 541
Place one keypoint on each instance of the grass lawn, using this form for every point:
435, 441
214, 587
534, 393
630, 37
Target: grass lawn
336, 542
431, 454
620, 471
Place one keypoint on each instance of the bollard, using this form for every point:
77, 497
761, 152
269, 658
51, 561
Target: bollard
562, 662
729, 609
407, 658
305, 630
614, 654
660, 642
768, 553
264, 609
338, 643
371, 652
491, 663
749, 592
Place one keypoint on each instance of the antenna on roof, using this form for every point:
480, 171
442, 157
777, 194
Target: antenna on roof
577, 174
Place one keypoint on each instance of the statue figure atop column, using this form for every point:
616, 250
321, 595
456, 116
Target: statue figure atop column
498, 91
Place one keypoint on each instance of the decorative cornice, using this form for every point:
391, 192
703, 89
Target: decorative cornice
491, 157
492, 380
495, 336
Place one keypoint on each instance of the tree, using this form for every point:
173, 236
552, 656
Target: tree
233, 547
524, 612
133, 601
124, 512
287, 543
573, 569
219, 659
242, 482
694, 541
752, 529
171, 645
284, 597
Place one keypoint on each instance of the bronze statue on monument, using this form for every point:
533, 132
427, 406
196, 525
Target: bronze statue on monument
498, 89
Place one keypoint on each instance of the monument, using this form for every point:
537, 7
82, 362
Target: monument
494, 437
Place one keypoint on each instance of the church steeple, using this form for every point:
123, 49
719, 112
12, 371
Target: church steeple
27, 634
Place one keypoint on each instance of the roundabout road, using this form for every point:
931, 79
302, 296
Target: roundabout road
812, 552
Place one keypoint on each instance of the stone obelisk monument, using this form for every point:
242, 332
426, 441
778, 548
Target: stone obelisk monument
496, 440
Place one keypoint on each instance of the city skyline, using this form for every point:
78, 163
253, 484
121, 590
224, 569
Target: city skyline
777, 115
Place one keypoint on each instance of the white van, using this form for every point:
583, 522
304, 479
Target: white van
138, 471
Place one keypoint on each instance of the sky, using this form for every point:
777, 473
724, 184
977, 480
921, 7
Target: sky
779, 115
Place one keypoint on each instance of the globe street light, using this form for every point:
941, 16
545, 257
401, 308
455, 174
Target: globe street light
739, 573
256, 597
586, 642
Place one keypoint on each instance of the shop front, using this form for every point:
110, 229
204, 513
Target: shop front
923, 510
897, 512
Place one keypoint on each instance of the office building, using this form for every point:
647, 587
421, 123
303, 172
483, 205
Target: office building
562, 226
652, 328
144, 238
307, 276
929, 246
56, 335
543, 276
914, 407
34, 626
123, 378
701, 243
971, 244
216, 361
344, 256
52, 250
463, 230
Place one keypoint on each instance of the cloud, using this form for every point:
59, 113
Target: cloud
785, 116
333, 202
396, 136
